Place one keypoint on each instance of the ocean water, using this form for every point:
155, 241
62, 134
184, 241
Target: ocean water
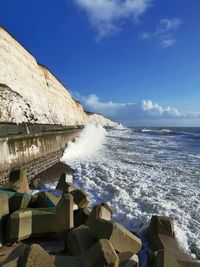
141, 172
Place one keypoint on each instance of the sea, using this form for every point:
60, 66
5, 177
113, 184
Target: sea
141, 172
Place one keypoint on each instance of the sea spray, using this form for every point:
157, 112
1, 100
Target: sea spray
90, 141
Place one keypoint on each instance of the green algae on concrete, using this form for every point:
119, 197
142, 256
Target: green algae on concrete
45, 200
18, 182
41, 222
19, 201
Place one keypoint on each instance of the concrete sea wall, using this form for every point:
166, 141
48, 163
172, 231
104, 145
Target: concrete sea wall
32, 149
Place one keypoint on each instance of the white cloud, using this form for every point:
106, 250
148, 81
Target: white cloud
106, 15
167, 42
164, 33
131, 113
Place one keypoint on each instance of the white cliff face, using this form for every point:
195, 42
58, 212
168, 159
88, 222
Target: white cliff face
13, 108
29, 92
99, 119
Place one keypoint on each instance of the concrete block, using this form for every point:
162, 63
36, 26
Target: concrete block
75, 207
189, 263
4, 211
81, 199
102, 211
102, 254
163, 258
108, 208
65, 186
37, 184
132, 262
45, 200
41, 222
121, 239
127, 259
33, 200
68, 176
13, 263
163, 242
37, 257
19, 226
14, 254
61, 261
161, 225
81, 216
79, 240
161, 237
6, 192
19, 201
18, 182
4, 204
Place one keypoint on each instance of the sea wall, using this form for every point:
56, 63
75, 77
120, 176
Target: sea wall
30, 93
33, 151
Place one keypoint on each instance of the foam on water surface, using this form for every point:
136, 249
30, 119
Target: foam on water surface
140, 175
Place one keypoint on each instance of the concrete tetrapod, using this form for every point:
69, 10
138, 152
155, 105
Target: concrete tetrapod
81, 216
35, 256
68, 261
163, 258
19, 201
14, 256
45, 200
132, 262
121, 239
41, 222
79, 240
13, 263
102, 211
18, 182
65, 186
127, 259
161, 237
36, 184
81, 199
4, 210
16, 200
102, 254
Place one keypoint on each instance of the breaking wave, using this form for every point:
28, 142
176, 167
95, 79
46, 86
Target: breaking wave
90, 140
156, 131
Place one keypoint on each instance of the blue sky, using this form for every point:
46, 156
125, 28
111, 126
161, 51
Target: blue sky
137, 61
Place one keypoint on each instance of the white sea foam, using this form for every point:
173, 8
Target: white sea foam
90, 140
140, 175
146, 130
158, 131
120, 127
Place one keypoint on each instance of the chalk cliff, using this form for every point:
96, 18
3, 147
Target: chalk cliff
30, 93
95, 118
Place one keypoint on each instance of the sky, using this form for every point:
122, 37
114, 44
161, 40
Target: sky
135, 61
